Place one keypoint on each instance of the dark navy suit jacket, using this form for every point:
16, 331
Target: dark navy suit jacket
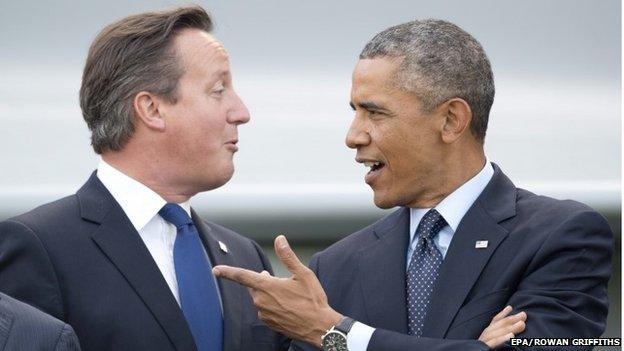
81, 260
23, 327
549, 258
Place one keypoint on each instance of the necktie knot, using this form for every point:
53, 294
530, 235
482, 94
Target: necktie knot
430, 225
175, 214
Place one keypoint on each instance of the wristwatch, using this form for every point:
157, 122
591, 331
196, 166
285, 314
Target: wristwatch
336, 338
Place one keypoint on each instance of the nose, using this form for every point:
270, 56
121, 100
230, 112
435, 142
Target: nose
238, 114
357, 135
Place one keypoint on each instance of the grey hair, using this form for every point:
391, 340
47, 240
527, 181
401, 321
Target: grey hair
439, 61
132, 55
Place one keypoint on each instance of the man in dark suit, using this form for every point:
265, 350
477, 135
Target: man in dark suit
465, 241
125, 260
23, 327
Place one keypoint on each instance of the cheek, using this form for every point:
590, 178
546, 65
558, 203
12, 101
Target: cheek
207, 129
396, 146
196, 144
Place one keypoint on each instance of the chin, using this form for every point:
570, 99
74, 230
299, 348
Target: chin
384, 202
213, 181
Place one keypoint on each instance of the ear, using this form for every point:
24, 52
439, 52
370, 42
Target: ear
457, 119
146, 108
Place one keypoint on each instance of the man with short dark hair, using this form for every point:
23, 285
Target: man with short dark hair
465, 242
126, 261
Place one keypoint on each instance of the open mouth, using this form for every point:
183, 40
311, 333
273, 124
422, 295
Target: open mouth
374, 166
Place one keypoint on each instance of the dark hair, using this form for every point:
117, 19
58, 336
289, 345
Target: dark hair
439, 61
132, 55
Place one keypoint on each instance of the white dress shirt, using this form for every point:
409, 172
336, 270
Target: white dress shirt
141, 205
452, 208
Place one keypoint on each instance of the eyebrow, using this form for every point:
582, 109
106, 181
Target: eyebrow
219, 75
224, 73
369, 106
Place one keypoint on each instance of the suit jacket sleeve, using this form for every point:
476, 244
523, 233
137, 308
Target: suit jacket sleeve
68, 341
26, 271
564, 292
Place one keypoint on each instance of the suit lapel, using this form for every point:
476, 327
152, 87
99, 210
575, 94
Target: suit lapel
382, 273
121, 243
231, 293
463, 262
461, 268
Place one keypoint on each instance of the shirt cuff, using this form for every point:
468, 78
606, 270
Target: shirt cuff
359, 336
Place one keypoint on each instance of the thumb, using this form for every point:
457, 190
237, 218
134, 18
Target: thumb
287, 256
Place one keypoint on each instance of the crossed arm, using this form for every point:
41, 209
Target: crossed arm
298, 307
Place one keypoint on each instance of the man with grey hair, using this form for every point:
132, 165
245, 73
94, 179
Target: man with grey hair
126, 261
465, 241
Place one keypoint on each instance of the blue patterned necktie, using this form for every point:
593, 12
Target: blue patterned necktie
197, 288
423, 270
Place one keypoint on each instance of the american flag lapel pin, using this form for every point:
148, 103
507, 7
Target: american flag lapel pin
481, 244
223, 247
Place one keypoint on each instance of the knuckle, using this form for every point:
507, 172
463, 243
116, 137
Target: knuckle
261, 282
257, 301
306, 273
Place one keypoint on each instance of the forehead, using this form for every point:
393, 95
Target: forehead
374, 76
198, 49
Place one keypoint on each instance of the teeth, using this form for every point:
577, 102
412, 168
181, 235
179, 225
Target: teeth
371, 164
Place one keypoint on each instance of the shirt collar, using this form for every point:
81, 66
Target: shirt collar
455, 205
139, 202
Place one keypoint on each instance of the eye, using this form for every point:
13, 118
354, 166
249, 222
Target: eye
218, 89
375, 114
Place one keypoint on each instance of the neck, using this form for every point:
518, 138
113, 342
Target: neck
453, 172
145, 172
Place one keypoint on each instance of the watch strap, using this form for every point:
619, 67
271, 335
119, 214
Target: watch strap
345, 325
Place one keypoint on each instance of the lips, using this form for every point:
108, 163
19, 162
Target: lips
375, 167
231, 144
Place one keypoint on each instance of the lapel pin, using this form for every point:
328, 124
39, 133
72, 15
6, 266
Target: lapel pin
481, 244
223, 247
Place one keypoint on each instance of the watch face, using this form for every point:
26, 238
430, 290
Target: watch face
335, 341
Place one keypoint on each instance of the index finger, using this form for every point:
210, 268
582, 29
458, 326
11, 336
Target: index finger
242, 276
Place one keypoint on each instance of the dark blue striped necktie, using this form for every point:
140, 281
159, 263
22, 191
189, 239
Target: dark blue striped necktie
197, 287
423, 271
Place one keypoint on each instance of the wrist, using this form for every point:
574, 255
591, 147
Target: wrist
336, 338
328, 319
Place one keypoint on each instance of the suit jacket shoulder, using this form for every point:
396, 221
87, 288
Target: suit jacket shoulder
50, 214
23, 327
541, 219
